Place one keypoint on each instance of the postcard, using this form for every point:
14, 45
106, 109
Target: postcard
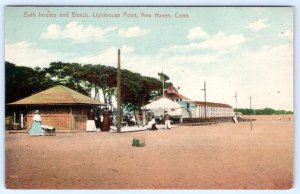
149, 97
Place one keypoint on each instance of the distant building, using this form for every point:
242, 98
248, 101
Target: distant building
59, 106
196, 109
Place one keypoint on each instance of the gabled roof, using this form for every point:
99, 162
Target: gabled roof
175, 96
58, 95
172, 93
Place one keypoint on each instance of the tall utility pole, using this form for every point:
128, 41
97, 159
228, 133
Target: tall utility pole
204, 89
235, 103
119, 113
163, 82
250, 113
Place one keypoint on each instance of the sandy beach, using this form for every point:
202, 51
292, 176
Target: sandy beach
221, 156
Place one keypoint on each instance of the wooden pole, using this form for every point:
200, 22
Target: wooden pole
235, 103
250, 113
204, 89
119, 114
163, 82
205, 97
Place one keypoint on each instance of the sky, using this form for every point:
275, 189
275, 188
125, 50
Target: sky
234, 49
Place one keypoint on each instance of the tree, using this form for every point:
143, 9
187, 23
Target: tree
163, 76
21, 82
137, 90
68, 74
265, 111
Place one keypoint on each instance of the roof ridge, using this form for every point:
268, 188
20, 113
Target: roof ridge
212, 103
68, 90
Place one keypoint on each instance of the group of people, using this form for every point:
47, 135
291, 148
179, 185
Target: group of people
130, 120
101, 120
104, 120
167, 122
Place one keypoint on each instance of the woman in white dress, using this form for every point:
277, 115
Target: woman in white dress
90, 123
36, 128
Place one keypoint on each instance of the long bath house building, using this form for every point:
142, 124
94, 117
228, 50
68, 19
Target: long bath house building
196, 109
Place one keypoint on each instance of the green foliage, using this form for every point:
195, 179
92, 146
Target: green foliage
137, 90
21, 82
265, 111
68, 74
163, 76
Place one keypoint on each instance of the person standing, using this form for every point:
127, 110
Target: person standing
36, 127
90, 123
167, 120
106, 122
101, 120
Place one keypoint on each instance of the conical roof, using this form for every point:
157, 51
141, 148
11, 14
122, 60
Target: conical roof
58, 95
